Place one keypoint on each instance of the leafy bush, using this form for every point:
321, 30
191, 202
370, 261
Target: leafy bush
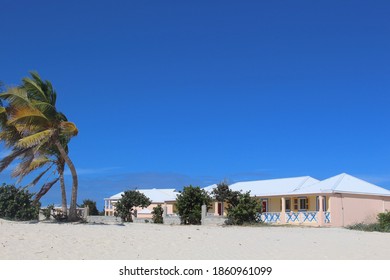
17, 204
383, 224
93, 211
57, 214
189, 205
365, 227
384, 221
48, 211
242, 209
158, 214
125, 207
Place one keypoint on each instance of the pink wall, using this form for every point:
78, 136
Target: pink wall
348, 209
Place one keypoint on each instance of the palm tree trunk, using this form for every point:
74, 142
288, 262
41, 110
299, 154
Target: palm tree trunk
63, 192
73, 201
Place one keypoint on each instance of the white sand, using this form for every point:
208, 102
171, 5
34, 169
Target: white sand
43, 241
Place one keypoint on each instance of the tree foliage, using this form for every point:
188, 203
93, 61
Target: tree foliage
157, 213
37, 134
93, 211
17, 204
384, 221
242, 209
189, 204
125, 207
222, 193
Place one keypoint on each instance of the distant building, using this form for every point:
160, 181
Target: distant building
338, 201
165, 197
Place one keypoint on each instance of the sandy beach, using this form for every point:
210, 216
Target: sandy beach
42, 241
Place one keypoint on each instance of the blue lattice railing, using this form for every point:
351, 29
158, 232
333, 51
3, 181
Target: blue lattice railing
269, 217
293, 217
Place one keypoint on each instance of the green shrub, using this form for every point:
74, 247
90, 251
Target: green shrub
158, 214
384, 221
125, 207
48, 211
383, 224
243, 209
365, 227
93, 211
17, 204
189, 204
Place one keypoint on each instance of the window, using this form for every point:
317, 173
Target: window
288, 204
318, 203
303, 204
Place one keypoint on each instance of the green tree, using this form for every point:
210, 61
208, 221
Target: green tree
189, 204
16, 204
125, 207
33, 127
222, 193
157, 213
243, 209
93, 211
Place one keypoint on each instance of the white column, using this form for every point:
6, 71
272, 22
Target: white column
321, 217
283, 213
216, 208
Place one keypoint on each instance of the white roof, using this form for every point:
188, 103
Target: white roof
210, 188
344, 183
155, 195
274, 186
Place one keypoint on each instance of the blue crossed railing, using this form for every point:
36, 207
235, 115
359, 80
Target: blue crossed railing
293, 217
268, 217
310, 217
327, 217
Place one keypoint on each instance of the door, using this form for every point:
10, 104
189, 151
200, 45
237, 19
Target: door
264, 205
219, 208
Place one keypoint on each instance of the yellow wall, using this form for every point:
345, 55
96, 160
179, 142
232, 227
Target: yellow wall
274, 204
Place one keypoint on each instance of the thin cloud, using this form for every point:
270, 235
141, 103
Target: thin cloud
92, 171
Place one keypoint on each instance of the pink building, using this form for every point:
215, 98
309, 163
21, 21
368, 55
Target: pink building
341, 200
164, 197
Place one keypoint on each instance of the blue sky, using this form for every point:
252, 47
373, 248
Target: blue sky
172, 93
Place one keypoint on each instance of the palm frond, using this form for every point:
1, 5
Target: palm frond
46, 108
36, 180
39, 162
21, 169
45, 188
2, 110
27, 120
69, 129
9, 135
15, 96
52, 95
38, 89
34, 87
6, 161
35, 139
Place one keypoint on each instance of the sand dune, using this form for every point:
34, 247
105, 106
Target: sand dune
41, 241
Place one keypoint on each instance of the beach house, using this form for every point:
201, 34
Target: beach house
165, 197
337, 201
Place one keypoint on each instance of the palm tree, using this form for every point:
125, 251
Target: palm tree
32, 114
